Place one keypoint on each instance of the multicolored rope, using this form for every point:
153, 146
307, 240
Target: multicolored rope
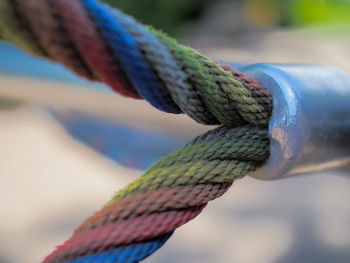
103, 44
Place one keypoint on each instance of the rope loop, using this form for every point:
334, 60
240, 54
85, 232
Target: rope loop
103, 44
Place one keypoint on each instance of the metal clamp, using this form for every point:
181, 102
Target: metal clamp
310, 123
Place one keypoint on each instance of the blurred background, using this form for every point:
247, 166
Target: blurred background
67, 145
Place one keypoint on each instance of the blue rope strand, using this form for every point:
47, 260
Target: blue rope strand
132, 253
127, 51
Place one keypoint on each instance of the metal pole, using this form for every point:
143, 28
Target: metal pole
310, 123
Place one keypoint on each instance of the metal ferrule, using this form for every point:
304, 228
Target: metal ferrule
310, 123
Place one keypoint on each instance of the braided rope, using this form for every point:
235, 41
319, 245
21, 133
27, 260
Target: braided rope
102, 44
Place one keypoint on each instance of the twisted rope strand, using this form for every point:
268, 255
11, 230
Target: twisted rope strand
90, 44
14, 30
156, 201
105, 45
127, 254
128, 52
48, 31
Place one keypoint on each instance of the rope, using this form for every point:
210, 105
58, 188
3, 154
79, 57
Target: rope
103, 44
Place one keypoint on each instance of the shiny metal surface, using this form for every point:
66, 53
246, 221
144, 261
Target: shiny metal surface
310, 124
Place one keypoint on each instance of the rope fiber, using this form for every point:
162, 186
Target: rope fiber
103, 44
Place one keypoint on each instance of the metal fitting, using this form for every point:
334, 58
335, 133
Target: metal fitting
310, 124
